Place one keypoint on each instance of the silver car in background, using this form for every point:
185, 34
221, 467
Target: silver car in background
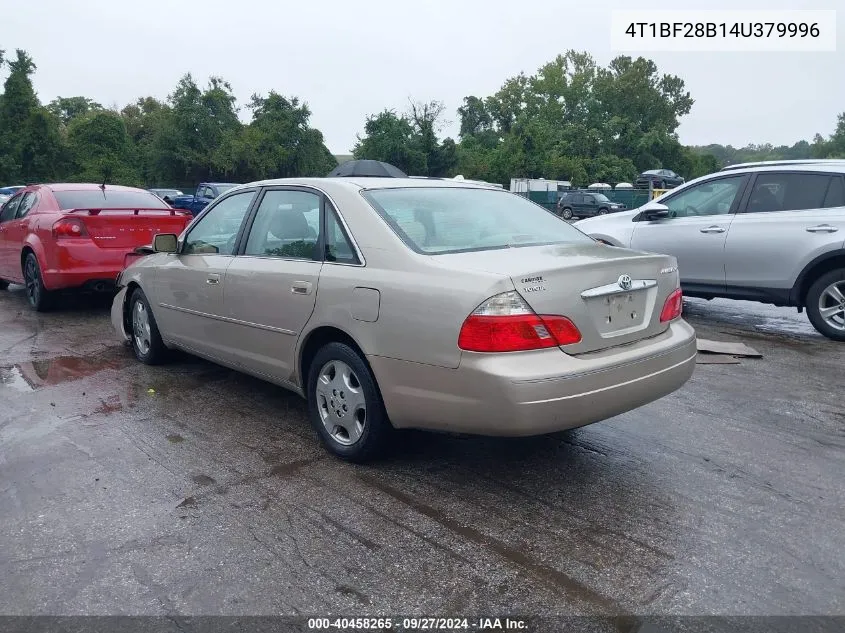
768, 232
410, 303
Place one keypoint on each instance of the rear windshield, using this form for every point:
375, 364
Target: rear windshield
97, 199
446, 220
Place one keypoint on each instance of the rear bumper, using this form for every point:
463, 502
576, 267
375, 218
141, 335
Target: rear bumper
83, 264
533, 393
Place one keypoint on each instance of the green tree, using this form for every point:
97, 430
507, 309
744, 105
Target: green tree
68, 108
389, 137
278, 143
101, 149
833, 147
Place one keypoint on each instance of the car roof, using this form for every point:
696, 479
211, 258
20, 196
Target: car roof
362, 182
804, 162
832, 166
84, 186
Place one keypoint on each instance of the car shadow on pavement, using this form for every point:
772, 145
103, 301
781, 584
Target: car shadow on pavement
66, 301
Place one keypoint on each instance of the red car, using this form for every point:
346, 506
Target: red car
55, 237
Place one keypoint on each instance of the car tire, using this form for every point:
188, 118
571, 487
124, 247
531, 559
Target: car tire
144, 333
825, 292
602, 211
38, 296
566, 213
345, 406
3, 284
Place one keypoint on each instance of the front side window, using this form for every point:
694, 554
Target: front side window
434, 220
715, 197
286, 225
788, 192
216, 232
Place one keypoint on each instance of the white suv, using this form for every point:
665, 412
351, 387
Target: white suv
768, 232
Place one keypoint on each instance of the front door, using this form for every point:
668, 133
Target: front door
695, 231
188, 287
271, 287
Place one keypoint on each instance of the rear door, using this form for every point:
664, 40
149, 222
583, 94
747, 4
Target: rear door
7, 247
271, 286
188, 287
16, 231
695, 231
788, 219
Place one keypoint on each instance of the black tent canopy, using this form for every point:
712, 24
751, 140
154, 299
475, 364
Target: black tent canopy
366, 168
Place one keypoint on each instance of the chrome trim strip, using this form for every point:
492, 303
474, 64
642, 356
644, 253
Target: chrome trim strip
606, 368
216, 317
614, 289
583, 394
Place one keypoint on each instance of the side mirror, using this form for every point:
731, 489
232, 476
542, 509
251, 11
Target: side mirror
654, 211
165, 243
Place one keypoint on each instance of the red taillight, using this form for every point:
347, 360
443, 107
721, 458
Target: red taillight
505, 323
69, 227
673, 307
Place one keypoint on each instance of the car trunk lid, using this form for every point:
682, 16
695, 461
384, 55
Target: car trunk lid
614, 296
129, 228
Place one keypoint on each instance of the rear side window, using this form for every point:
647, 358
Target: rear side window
286, 225
98, 199
835, 194
788, 192
8, 211
29, 201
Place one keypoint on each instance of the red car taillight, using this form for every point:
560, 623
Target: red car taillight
69, 227
505, 323
673, 307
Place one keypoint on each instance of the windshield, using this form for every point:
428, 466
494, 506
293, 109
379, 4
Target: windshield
224, 188
115, 199
435, 220
600, 197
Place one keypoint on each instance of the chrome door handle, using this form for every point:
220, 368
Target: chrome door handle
213, 279
301, 288
713, 229
821, 228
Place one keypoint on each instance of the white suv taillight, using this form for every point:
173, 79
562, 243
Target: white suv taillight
506, 323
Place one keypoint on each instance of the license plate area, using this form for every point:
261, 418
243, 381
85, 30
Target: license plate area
619, 313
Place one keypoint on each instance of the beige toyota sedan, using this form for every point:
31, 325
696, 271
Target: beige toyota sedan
412, 303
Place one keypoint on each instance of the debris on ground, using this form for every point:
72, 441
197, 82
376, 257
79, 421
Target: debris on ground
723, 347
723, 352
716, 359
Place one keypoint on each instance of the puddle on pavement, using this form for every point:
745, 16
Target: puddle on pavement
48, 372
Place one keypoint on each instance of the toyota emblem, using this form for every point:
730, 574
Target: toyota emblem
625, 282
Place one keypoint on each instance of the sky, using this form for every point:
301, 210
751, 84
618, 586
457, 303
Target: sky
348, 60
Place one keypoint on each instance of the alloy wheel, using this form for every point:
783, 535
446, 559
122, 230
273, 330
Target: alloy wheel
832, 305
341, 402
141, 327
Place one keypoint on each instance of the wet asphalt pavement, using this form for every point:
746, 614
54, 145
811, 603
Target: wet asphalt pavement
192, 489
